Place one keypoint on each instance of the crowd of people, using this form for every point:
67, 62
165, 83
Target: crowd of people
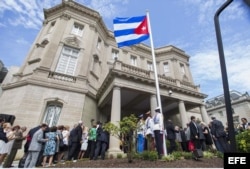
46, 145
197, 135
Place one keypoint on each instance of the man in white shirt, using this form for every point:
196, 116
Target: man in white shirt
158, 131
149, 131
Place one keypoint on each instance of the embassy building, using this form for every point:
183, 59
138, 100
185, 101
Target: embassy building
75, 71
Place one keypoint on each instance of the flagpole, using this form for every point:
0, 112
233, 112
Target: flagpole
156, 82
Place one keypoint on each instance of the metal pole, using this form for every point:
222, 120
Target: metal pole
157, 83
231, 131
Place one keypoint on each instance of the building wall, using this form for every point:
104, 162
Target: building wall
240, 105
28, 104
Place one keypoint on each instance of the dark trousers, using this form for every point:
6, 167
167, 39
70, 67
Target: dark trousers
158, 142
10, 158
184, 146
92, 145
101, 147
74, 150
197, 143
224, 144
172, 146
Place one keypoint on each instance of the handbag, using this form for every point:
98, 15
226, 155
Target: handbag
61, 143
198, 153
84, 145
191, 145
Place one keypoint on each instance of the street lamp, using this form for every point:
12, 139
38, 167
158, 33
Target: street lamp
231, 131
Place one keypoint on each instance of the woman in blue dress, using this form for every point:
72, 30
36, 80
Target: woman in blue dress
50, 145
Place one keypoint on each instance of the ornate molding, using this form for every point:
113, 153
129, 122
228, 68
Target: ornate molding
72, 41
65, 16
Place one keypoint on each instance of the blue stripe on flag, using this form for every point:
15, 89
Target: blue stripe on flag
129, 19
123, 32
132, 42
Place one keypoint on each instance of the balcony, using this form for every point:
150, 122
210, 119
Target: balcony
142, 73
62, 77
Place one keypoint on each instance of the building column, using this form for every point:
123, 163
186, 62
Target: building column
183, 113
114, 143
204, 114
153, 104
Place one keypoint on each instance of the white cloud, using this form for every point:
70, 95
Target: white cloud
29, 13
206, 69
22, 41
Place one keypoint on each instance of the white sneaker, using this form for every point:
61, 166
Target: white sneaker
74, 161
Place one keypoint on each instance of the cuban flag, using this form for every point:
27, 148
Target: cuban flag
131, 30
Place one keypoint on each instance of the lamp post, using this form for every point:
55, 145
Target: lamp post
231, 131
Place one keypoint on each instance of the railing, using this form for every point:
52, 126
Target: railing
63, 77
135, 70
146, 73
166, 79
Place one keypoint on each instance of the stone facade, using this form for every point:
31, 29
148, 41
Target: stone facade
240, 104
97, 80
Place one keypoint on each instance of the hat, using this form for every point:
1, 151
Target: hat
213, 118
157, 109
140, 116
80, 122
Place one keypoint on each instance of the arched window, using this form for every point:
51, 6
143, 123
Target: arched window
52, 114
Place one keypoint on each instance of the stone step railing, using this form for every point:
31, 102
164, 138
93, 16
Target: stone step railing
63, 77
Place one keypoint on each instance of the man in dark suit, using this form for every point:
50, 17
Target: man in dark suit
218, 133
171, 136
101, 142
75, 138
194, 135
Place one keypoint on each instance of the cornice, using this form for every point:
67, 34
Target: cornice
44, 84
117, 73
76, 8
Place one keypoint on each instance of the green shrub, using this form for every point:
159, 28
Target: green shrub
169, 158
136, 155
149, 155
187, 155
243, 141
219, 154
207, 154
177, 155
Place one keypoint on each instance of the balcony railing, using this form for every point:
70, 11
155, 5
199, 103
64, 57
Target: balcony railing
146, 73
135, 70
62, 77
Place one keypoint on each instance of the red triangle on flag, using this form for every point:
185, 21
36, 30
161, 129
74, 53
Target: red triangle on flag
142, 28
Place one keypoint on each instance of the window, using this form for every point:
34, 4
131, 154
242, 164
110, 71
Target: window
114, 54
182, 68
67, 61
52, 26
52, 114
98, 45
150, 66
166, 67
77, 29
133, 61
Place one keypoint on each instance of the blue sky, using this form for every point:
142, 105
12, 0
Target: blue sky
186, 24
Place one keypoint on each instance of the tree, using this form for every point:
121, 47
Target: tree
125, 130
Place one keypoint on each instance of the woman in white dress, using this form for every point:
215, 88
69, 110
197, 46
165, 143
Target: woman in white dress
10, 134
